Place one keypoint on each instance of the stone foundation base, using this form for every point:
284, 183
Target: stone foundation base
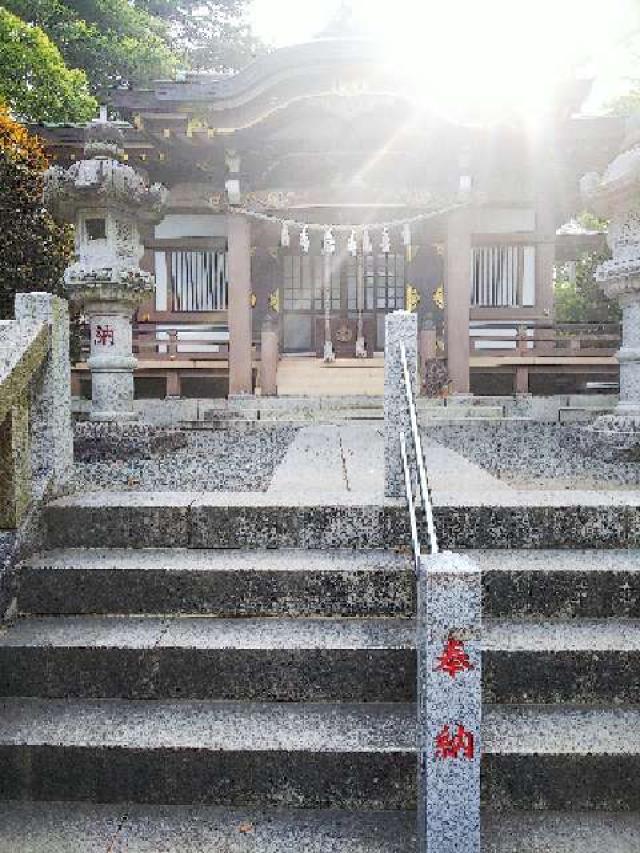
610, 437
96, 442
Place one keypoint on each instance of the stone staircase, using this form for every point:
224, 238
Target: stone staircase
260, 700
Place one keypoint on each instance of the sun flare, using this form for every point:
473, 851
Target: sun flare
469, 58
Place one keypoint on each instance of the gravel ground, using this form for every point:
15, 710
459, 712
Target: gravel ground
534, 455
224, 460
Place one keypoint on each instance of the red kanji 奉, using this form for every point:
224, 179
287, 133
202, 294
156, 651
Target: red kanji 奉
454, 658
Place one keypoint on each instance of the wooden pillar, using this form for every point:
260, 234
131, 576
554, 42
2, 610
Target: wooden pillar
522, 379
546, 183
239, 308
269, 358
458, 299
173, 388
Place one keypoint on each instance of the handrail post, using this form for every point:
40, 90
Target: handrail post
401, 327
449, 703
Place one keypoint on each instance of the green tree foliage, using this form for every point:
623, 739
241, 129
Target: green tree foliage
207, 34
34, 250
580, 299
111, 40
35, 83
131, 42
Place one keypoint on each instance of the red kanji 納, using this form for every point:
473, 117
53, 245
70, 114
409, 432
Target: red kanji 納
458, 745
104, 335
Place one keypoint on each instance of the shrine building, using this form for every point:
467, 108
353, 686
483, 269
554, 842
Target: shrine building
318, 189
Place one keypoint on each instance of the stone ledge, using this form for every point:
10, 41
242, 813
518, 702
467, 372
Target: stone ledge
108, 442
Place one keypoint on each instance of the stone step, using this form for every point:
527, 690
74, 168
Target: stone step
224, 753
306, 755
590, 584
108, 519
294, 660
561, 832
454, 413
286, 660
133, 828
224, 520
580, 661
220, 583
561, 758
336, 582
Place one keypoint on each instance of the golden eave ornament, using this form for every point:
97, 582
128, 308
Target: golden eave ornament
411, 299
274, 301
438, 297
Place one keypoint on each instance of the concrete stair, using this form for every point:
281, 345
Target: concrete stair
256, 700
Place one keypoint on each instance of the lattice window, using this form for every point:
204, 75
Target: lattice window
384, 282
198, 280
503, 276
303, 283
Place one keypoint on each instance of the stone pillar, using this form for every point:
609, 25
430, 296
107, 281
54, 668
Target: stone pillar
111, 361
240, 333
629, 355
449, 704
51, 427
458, 300
400, 327
269, 358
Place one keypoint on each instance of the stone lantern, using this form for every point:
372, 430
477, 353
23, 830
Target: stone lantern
107, 201
616, 195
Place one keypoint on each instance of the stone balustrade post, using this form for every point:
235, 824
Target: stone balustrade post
449, 704
51, 426
400, 327
629, 353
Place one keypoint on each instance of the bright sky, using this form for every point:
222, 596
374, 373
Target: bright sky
482, 50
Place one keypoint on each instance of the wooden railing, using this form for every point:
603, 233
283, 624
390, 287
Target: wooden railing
562, 339
151, 343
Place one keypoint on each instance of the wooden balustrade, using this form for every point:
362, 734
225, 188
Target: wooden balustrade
157, 342
569, 339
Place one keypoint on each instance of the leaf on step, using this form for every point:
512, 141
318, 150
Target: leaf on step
246, 827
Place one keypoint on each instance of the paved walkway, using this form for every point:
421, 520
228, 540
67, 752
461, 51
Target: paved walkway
455, 481
338, 464
333, 462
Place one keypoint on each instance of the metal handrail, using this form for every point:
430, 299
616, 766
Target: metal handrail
423, 482
410, 499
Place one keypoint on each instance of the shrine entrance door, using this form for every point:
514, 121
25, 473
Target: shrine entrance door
361, 291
